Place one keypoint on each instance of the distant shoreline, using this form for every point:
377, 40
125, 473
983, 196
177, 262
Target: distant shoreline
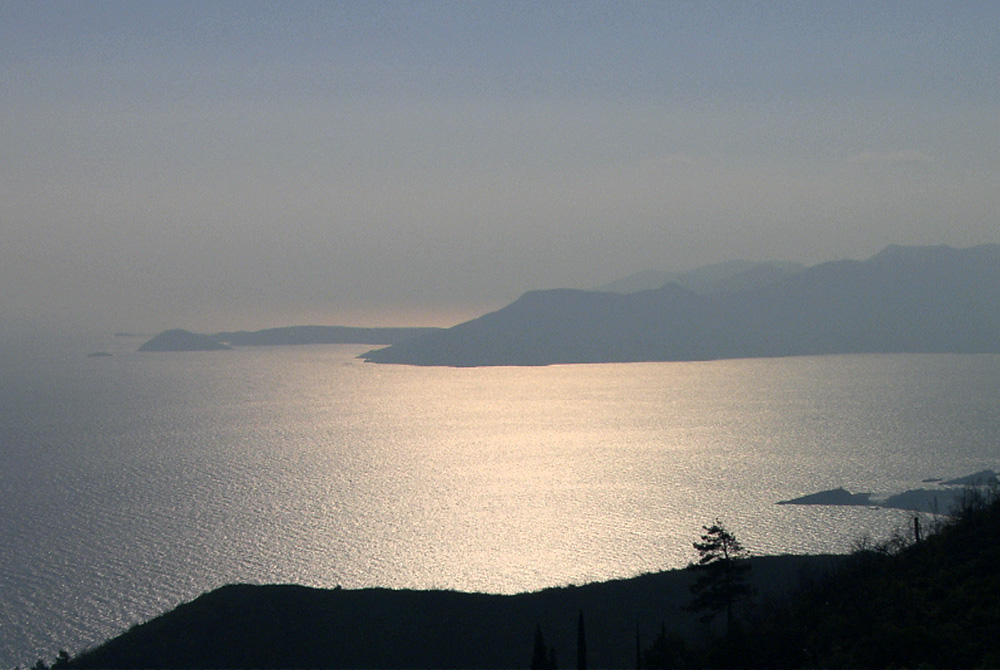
184, 340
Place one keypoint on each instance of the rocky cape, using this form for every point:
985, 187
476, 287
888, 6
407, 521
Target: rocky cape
902, 300
941, 499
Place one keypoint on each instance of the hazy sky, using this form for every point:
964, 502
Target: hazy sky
245, 165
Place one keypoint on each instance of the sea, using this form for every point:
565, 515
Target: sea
132, 483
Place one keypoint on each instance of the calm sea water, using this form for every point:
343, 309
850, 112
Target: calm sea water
133, 483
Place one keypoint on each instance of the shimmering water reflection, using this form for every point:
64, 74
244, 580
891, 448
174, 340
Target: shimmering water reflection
136, 482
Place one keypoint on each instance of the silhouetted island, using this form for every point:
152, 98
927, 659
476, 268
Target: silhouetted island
321, 335
838, 496
182, 340
902, 300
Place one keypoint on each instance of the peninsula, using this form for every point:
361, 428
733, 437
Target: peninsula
902, 300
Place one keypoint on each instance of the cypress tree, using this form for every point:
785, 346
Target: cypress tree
540, 653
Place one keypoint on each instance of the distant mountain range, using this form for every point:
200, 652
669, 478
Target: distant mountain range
903, 299
726, 277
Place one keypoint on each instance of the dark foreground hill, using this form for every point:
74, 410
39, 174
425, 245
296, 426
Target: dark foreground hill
933, 603
904, 299
243, 626
922, 600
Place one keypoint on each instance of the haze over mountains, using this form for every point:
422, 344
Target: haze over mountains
903, 299
726, 277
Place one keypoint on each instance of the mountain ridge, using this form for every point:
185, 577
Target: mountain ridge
726, 277
902, 300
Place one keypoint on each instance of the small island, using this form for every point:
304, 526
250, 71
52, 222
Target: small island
838, 496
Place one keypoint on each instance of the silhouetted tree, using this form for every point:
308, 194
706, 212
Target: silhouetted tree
722, 579
539, 653
581, 644
638, 648
669, 650
542, 657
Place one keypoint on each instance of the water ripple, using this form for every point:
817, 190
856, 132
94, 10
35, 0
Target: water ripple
147, 481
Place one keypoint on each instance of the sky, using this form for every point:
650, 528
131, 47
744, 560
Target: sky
225, 165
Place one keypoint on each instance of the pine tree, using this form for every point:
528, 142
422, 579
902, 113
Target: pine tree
722, 579
62, 660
